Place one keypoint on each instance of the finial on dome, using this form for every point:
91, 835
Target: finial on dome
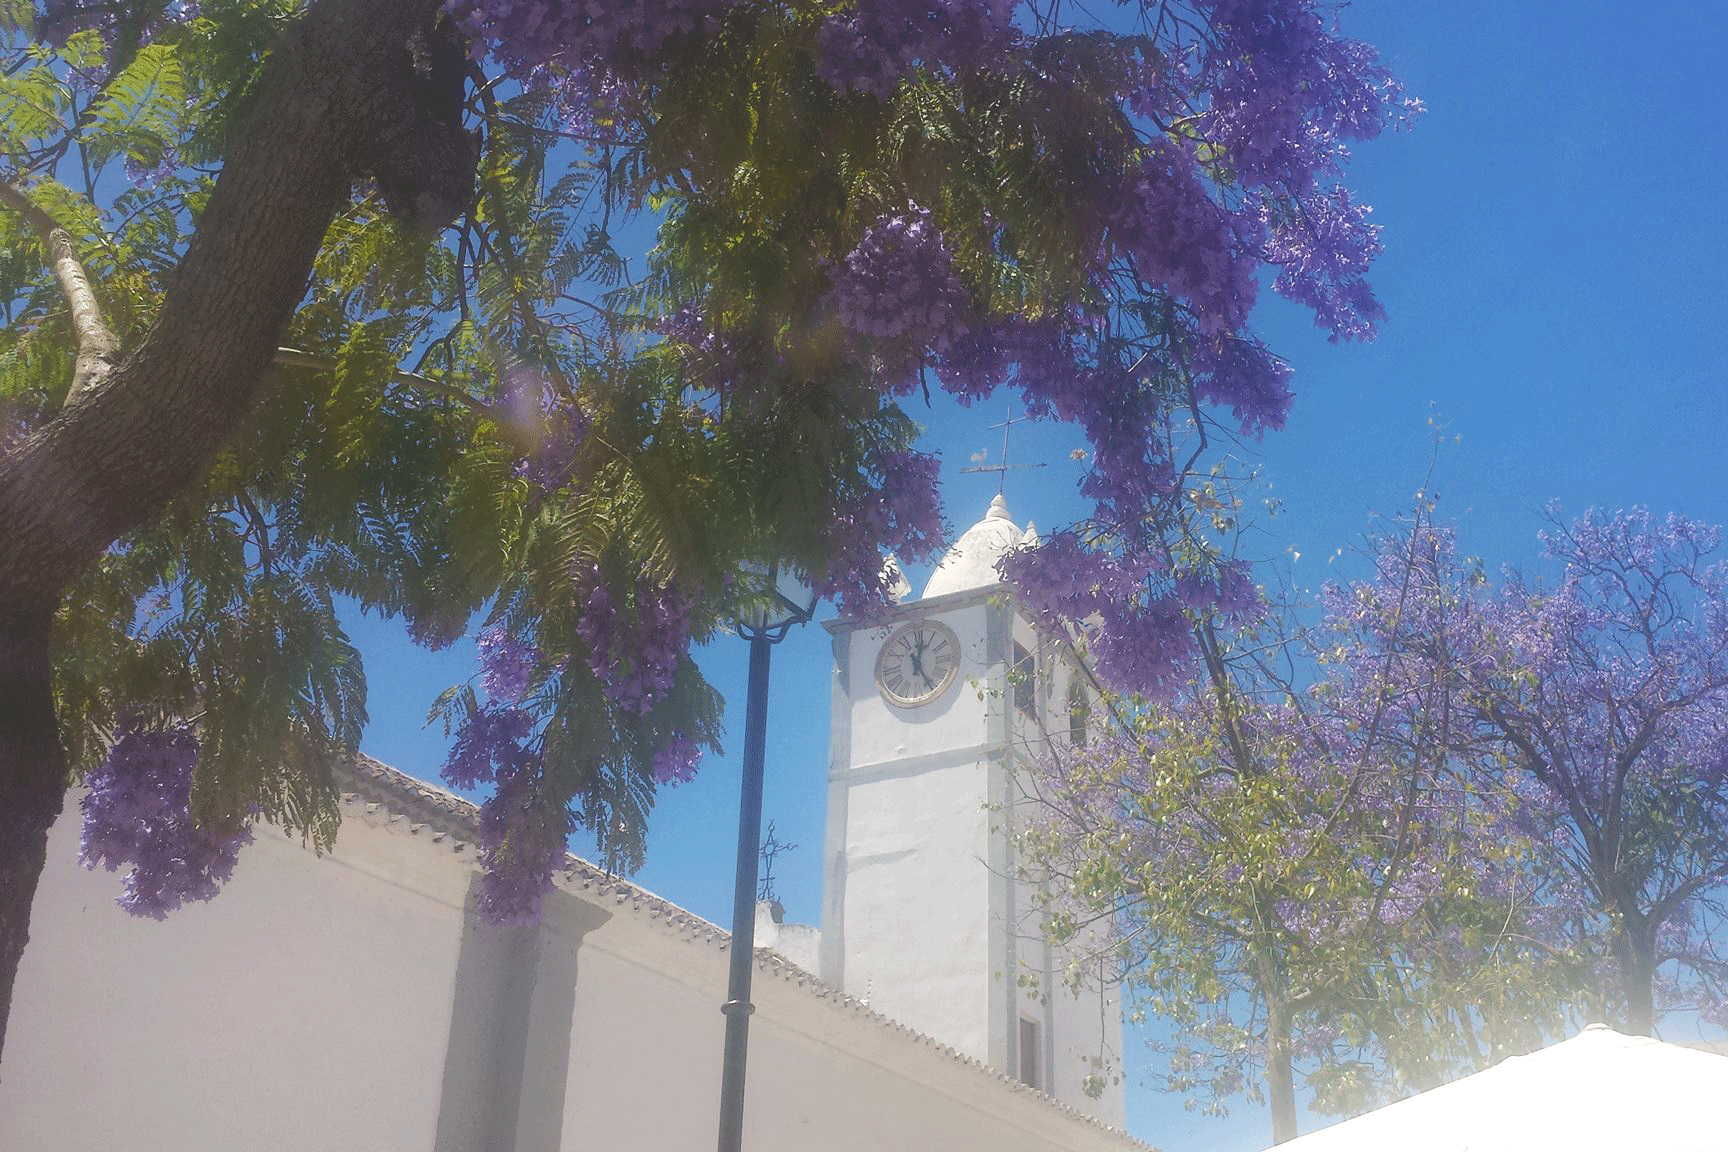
1029, 538
971, 562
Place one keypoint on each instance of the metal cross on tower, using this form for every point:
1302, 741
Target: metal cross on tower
771, 847
1004, 467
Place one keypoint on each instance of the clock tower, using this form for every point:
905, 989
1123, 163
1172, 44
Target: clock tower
937, 713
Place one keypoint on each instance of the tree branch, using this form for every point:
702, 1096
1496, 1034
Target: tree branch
294, 358
98, 349
338, 98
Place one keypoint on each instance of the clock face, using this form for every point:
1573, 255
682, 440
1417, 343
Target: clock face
918, 663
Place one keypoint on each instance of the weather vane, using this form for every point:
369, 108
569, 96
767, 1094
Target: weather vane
1004, 467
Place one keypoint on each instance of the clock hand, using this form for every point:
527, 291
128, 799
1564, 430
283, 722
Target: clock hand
918, 660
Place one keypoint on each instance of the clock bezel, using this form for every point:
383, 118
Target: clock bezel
941, 687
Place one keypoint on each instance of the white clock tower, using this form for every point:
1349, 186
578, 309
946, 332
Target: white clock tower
923, 915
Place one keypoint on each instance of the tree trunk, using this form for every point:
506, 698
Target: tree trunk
1280, 1073
1635, 948
339, 97
32, 783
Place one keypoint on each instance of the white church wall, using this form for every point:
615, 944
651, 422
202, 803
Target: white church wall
349, 1004
306, 1007
905, 920
821, 1076
916, 901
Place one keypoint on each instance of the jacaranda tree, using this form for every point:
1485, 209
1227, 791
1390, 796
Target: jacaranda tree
1607, 699
1480, 812
1294, 878
1590, 703
346, 299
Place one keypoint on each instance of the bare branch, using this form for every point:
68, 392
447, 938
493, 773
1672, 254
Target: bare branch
98, 349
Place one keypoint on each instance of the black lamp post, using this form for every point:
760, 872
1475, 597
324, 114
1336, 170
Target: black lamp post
787, 601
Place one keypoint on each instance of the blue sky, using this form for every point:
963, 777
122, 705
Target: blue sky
1555, 253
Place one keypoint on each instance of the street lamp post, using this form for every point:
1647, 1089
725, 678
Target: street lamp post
789, 601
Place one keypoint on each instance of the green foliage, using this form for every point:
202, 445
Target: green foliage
392, 457
1270, 871
224, 611
143, 110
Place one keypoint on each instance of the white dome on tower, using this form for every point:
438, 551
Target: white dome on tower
971, 563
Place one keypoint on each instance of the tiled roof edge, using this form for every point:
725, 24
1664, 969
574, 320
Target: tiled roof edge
423, 803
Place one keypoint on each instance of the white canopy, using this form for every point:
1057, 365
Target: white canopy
1598, 1090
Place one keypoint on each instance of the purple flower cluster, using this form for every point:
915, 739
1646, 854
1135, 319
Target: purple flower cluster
1225, 589
1241, 374
676, 760
1132, 476
633, 649
1037, 354
591, 104
871, 45
1143, 645
507, 665
523, 836
1322, 245
1137, 610
713, 361
522, 833
1182, 242
491, 743
1139, 640
897, 288
1280, 95
149, 175
901, 515
1283, 91
138, 814
635, 652
617, 37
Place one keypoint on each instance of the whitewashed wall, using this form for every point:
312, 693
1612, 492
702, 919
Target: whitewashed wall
306, 1007
345, 1003
907, 919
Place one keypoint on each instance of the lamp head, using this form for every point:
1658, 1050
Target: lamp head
782, 598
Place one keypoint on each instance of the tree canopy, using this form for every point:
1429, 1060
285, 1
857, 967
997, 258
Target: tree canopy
1423, 832
346, 299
